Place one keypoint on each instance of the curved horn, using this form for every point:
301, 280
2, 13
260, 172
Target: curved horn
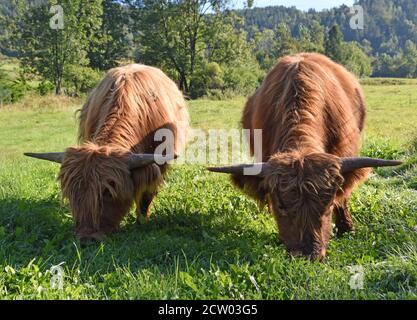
137, 160
254, 169
50, 156
350, 164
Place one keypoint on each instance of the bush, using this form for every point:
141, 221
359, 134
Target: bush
243, 79
216, 81
356, 60
207, 80
4, 93
80, 79
45, 87
13, 85
12, 91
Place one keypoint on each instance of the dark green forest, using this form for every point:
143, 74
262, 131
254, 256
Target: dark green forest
389, 36
206, 46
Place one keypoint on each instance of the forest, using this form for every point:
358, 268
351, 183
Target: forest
209, 48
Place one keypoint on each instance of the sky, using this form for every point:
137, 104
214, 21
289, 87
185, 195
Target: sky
300, 4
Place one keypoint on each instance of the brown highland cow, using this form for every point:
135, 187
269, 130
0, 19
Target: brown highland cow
311, 112
116, 161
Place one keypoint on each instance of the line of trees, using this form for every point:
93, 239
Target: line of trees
389, 36
209, 49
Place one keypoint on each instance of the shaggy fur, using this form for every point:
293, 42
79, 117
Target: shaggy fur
121, 116
311, 112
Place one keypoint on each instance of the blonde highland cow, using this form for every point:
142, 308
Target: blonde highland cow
115, 163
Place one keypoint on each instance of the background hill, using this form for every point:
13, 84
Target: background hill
389, 35
210, 50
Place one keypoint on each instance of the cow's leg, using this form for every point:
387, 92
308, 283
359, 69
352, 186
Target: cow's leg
146, 181
343, 218
143, 205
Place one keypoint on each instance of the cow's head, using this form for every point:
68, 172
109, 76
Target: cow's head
301, 190
98, 183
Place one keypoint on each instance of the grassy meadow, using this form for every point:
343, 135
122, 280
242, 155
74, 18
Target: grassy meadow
205, 239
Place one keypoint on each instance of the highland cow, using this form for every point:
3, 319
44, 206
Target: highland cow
311, 112
116, 162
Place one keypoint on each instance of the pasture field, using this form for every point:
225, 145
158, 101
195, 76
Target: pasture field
205, 239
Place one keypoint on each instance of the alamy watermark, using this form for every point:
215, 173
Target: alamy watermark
57, 279
357, 21
357, 279
213, 147
57, 20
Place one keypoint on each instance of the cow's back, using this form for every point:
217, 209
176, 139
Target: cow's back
129, 105
307, 101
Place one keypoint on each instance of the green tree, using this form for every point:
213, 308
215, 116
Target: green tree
111, 42
285, 43
173, 32
226, 43
410, 57
208, 79
184, 36
334, 44
263, 43
6, 25
356, 60
49, 51
220, 68
317, 37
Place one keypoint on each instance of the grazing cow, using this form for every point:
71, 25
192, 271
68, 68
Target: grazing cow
116, 161
311, 112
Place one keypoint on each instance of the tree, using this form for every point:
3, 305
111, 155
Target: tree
226, 42
172, 33
50, 51
410, 57
285, 42
7, 12
175, 33
263, 43
226, 64
317, 37
110, 41
334, 44
356, 60
207, 80
311, 40
182, 36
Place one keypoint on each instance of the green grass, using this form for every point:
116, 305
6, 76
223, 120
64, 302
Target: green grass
205, 239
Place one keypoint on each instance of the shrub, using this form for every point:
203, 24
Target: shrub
207, 80
243, 79
356, 60
218, 81
12, 91
45, 87
80, 79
